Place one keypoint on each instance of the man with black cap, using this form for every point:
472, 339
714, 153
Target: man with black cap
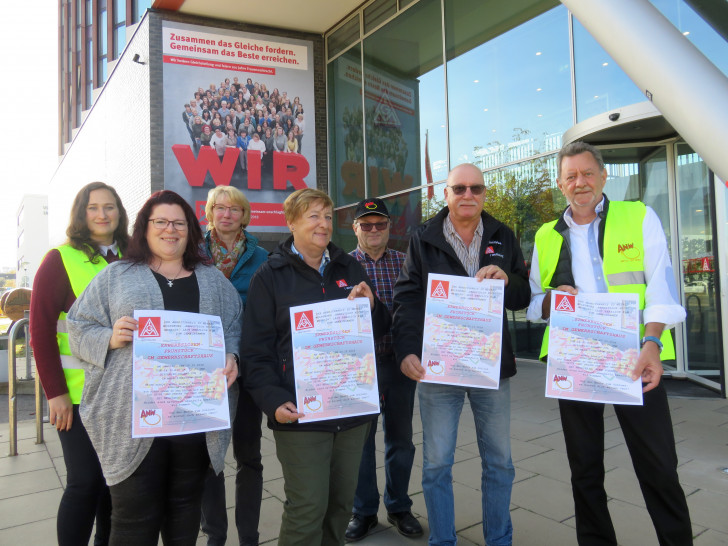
397, 392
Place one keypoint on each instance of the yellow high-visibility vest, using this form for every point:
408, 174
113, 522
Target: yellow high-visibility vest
622, 263
80, 271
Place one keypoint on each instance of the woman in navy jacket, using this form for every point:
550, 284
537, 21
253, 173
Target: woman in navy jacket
236, 253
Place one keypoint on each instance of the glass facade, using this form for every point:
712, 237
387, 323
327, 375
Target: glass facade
440, 83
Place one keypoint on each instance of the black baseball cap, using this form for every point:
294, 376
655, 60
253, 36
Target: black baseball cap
370, 206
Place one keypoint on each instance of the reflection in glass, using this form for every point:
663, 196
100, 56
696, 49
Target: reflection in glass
700, 33
639, 174
346, 143
404, 77
405, 219
698, 261
508, 98
341, 38
600, 84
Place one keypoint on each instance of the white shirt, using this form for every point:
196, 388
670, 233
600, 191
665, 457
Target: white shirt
661, 299
259, 145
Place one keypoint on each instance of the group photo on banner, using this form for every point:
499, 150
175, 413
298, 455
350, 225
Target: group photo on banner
238, 111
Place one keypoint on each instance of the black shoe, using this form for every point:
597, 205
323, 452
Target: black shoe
406, 524
359, 527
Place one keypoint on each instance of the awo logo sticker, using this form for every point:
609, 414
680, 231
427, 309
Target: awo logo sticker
565, 302
629, 252
303, 320
150, 418
341, 283
563, 382
150, 326
489, 250
440, 289
435, 367
312, 403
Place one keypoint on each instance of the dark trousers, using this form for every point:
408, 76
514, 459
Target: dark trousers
86, 496
162, 495
248, 481
397, 396
648, 432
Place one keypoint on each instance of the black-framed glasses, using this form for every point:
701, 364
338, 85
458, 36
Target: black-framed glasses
368, 226
162, 223
459, 189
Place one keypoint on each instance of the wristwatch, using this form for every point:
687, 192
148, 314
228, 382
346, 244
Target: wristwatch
237, 358
655, 340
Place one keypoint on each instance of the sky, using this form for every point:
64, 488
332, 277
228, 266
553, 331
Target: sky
29, 155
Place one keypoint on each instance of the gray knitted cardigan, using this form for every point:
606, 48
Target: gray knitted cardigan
107, 394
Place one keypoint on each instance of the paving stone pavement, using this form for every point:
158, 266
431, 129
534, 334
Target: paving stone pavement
542, 508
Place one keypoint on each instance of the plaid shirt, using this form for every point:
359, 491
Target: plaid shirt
383, 274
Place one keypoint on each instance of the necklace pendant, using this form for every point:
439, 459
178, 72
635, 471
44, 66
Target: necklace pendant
169, 283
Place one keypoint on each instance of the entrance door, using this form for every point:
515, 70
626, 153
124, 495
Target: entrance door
653, 174
698, 261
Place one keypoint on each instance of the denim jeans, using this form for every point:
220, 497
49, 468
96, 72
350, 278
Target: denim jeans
397, 393
440, 408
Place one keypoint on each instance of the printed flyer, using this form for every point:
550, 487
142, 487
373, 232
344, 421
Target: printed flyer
461, 344
333, 357
593, 345
178, 381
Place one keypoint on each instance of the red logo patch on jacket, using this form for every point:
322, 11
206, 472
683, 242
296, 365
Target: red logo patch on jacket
341, 283
489, 250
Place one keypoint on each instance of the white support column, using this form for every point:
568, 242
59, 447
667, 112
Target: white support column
683, 84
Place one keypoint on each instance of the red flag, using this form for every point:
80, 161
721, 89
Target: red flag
428, 170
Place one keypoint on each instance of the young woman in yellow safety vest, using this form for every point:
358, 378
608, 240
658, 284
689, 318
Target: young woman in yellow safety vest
97, 235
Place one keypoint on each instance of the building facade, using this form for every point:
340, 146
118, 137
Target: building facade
390, 86
32, 233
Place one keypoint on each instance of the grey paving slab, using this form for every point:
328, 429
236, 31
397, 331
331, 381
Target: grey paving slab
37, 532
552, 464
709, 509
32, 507
541, 504
19, 485
545, 496
632, 524
532, 528
37, 460
711, 537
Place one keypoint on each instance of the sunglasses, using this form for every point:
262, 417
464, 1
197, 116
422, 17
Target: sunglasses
381, 226
459, 189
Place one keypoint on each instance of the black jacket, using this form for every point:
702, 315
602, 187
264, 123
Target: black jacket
429, 252
266, 351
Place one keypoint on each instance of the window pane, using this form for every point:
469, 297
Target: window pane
601, 85
509, 98
139, 8
346, 145
405, 95
103, 33
700, 33
698, 252
119, 12
378, 12
343, 37
119, 41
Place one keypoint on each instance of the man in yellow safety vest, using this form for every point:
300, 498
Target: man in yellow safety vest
598, 245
